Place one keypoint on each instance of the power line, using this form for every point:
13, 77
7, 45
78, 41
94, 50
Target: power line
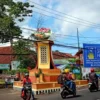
60, 45
62, 13
66, 20
14, 54
66, 43
69, 36
67, 17
60, 34
38, 40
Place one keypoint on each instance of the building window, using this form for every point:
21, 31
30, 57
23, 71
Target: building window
43, 54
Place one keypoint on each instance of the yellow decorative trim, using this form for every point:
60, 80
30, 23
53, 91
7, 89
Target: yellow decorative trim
46, 83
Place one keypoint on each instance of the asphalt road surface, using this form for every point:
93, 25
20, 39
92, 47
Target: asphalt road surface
9, 94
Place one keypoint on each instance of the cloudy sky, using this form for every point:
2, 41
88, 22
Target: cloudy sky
63, 17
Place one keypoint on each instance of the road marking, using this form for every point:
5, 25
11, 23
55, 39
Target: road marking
9, 93
83, 89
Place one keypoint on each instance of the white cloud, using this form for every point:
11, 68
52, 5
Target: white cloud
87, 10
83, 9
27, 31
4, 44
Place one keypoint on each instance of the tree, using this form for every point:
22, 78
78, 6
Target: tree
26, 56
9, 11
28, 62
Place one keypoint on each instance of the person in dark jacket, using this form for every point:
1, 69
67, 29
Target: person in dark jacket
93, 77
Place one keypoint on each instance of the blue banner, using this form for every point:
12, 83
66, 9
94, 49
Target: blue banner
91, 55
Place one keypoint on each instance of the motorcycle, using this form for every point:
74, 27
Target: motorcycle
28, 92
65, 91
92, 86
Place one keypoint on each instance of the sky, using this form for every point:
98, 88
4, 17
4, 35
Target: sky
63, 17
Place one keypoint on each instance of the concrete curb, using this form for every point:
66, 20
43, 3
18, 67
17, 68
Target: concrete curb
48, 91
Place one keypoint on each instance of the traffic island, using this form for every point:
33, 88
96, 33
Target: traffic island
44, 76
49, 87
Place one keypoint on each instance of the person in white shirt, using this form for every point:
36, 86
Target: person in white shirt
6, 82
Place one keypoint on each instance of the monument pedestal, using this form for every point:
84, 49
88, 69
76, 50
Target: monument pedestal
49, 75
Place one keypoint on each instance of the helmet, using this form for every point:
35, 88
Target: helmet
26, 74
92, 70
67, 70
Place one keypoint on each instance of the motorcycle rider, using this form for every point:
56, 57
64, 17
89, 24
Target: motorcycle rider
25, 80
70, 79
93, 77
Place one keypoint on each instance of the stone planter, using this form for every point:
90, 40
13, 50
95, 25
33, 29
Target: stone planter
38, 80
41, 78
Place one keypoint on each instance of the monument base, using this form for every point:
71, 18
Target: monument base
40, 88
47, 87
49, 75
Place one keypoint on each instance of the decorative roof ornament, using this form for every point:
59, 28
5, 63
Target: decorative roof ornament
42, 34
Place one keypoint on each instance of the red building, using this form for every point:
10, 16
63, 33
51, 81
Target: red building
61, 55
6, 57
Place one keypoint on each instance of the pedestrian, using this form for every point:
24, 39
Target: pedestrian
12, 81
6, 82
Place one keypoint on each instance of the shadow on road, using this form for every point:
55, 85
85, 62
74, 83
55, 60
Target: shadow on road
95, 91
77, 96
36, 98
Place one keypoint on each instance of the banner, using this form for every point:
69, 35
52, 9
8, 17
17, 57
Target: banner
91, 55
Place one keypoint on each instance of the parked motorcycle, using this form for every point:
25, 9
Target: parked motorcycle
65, 91
92, 86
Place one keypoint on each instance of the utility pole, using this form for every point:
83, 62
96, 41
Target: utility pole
79, 54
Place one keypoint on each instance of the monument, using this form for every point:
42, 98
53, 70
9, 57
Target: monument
49, 73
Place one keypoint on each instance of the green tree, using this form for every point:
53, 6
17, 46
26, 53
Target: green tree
9, 12
25, 55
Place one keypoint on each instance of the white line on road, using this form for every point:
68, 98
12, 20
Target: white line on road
83, 89
9, 93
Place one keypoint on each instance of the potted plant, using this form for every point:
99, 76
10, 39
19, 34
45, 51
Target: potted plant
37, 75
40, 71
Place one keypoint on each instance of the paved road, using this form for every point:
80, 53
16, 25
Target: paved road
9, 94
